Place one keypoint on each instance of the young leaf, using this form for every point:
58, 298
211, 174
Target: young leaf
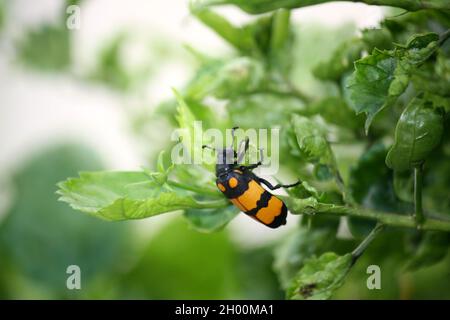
368, 89
311, 141
227, 79
191, 135
210, 220
380, 78
419, 47
242, 110
304, 190
335, 111
291, 255
404, 185
377, 38
314, 147
125, 195
320, 277
418, 132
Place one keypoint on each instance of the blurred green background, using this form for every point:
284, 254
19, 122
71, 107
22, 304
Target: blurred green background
77, 100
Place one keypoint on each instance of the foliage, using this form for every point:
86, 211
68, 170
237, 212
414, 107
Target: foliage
41, 238
387, 176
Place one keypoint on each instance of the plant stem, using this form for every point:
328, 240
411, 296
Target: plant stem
444, 36
308, 206
418, 176
359, 250
280, 29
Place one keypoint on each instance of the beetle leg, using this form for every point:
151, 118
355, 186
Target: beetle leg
250, 167
241, 153
278, 186
233, 136
256, 165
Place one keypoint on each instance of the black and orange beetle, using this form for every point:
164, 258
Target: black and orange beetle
244, 188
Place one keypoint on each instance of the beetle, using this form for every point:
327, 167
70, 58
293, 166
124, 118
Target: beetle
244, 188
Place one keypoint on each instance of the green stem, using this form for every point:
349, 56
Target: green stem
280, 29
346, 194
311, 206
443, 37
359, 250
418, 176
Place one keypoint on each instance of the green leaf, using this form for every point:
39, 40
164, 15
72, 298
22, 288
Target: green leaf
191, 136
419, 47
380, 78
320, 277
314, 147
418, 132
262, 6
432, 249
195, 178
124, 195
340, 61
442, 68
227, 79
179, 263
311, 141
433, 78
257, 283
292, 253
404, 185
308, 205
438, 101
369, 87
371, 185
243, 109
335, 111
377, 38
210, 220
304, 190
41, 237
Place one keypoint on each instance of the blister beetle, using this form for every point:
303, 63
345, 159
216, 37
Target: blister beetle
244, 188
